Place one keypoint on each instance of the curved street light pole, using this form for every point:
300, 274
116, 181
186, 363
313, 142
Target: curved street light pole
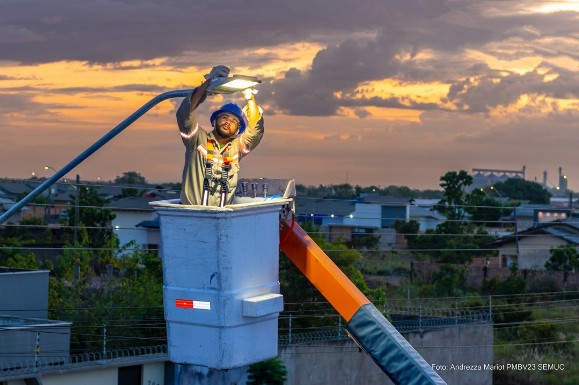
89, 151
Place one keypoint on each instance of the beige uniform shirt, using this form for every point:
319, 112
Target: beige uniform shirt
195, 140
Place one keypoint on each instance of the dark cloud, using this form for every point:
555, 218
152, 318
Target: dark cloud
446, 34
10, 102
104, 31
406, 40
140, 88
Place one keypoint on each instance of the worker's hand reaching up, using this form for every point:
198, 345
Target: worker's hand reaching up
249, 92
217, 72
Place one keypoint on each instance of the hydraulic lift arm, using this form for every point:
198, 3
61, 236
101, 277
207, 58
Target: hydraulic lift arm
366, 324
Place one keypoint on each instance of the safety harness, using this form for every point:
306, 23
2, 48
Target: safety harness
213, 157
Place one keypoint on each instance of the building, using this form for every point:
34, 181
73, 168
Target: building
423, 211
484, 177
530, 248
25, 330
136, 221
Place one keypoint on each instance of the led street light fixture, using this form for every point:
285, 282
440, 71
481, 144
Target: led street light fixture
231, 84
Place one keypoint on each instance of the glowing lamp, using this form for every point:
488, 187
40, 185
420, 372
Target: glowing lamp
231, 84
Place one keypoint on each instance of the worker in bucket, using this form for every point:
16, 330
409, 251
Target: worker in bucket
212, 159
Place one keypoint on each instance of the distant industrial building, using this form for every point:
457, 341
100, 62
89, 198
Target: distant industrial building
486, 178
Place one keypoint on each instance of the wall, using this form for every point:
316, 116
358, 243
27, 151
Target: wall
387, 238
475, 275
533, 251
32, 289
19, 341
325, 363
365, 215
152, 373
343, 363
124, 226
94, 377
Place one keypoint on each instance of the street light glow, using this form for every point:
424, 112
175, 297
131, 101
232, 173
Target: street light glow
231, 84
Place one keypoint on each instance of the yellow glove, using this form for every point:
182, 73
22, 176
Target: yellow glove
249, 92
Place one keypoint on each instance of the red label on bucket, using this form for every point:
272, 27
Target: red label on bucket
190, 304
184, 303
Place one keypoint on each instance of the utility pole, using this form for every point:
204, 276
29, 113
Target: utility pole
76, 209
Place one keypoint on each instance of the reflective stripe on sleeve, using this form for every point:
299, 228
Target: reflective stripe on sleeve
190, 135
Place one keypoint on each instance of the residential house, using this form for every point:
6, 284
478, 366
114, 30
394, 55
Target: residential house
59, 198
528, 215
6, 204
346, 219
133, 219
423, 212
530, 248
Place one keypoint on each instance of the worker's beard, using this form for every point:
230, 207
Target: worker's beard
224, 133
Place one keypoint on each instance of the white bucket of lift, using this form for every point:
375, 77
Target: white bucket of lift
221, 281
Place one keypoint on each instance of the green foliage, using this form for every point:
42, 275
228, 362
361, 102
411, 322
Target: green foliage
380, 263
512, 285
537, 334
453, 203
449, 281
345, 190
130, 178
563, 258
81, 292
94, 230
363, 242
22, 261
452, 242
268, 372
409, 229
34, 230
296, 288
520, 189
12, 255
292, 279
508, 309
483, 210
456, 240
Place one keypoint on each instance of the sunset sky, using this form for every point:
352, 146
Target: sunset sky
391, 92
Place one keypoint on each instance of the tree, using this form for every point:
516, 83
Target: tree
268, 372
453, 201
563, 258
296, 288
483, 209
93, 219
455, 240
133, 291
409, 229
131, 178
449, 281
520, 189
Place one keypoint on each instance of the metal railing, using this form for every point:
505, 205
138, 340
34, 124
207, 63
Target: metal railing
406, 319
50, 363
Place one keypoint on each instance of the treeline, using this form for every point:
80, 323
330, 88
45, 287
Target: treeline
346, 190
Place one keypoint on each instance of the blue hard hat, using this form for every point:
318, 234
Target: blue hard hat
231, 108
